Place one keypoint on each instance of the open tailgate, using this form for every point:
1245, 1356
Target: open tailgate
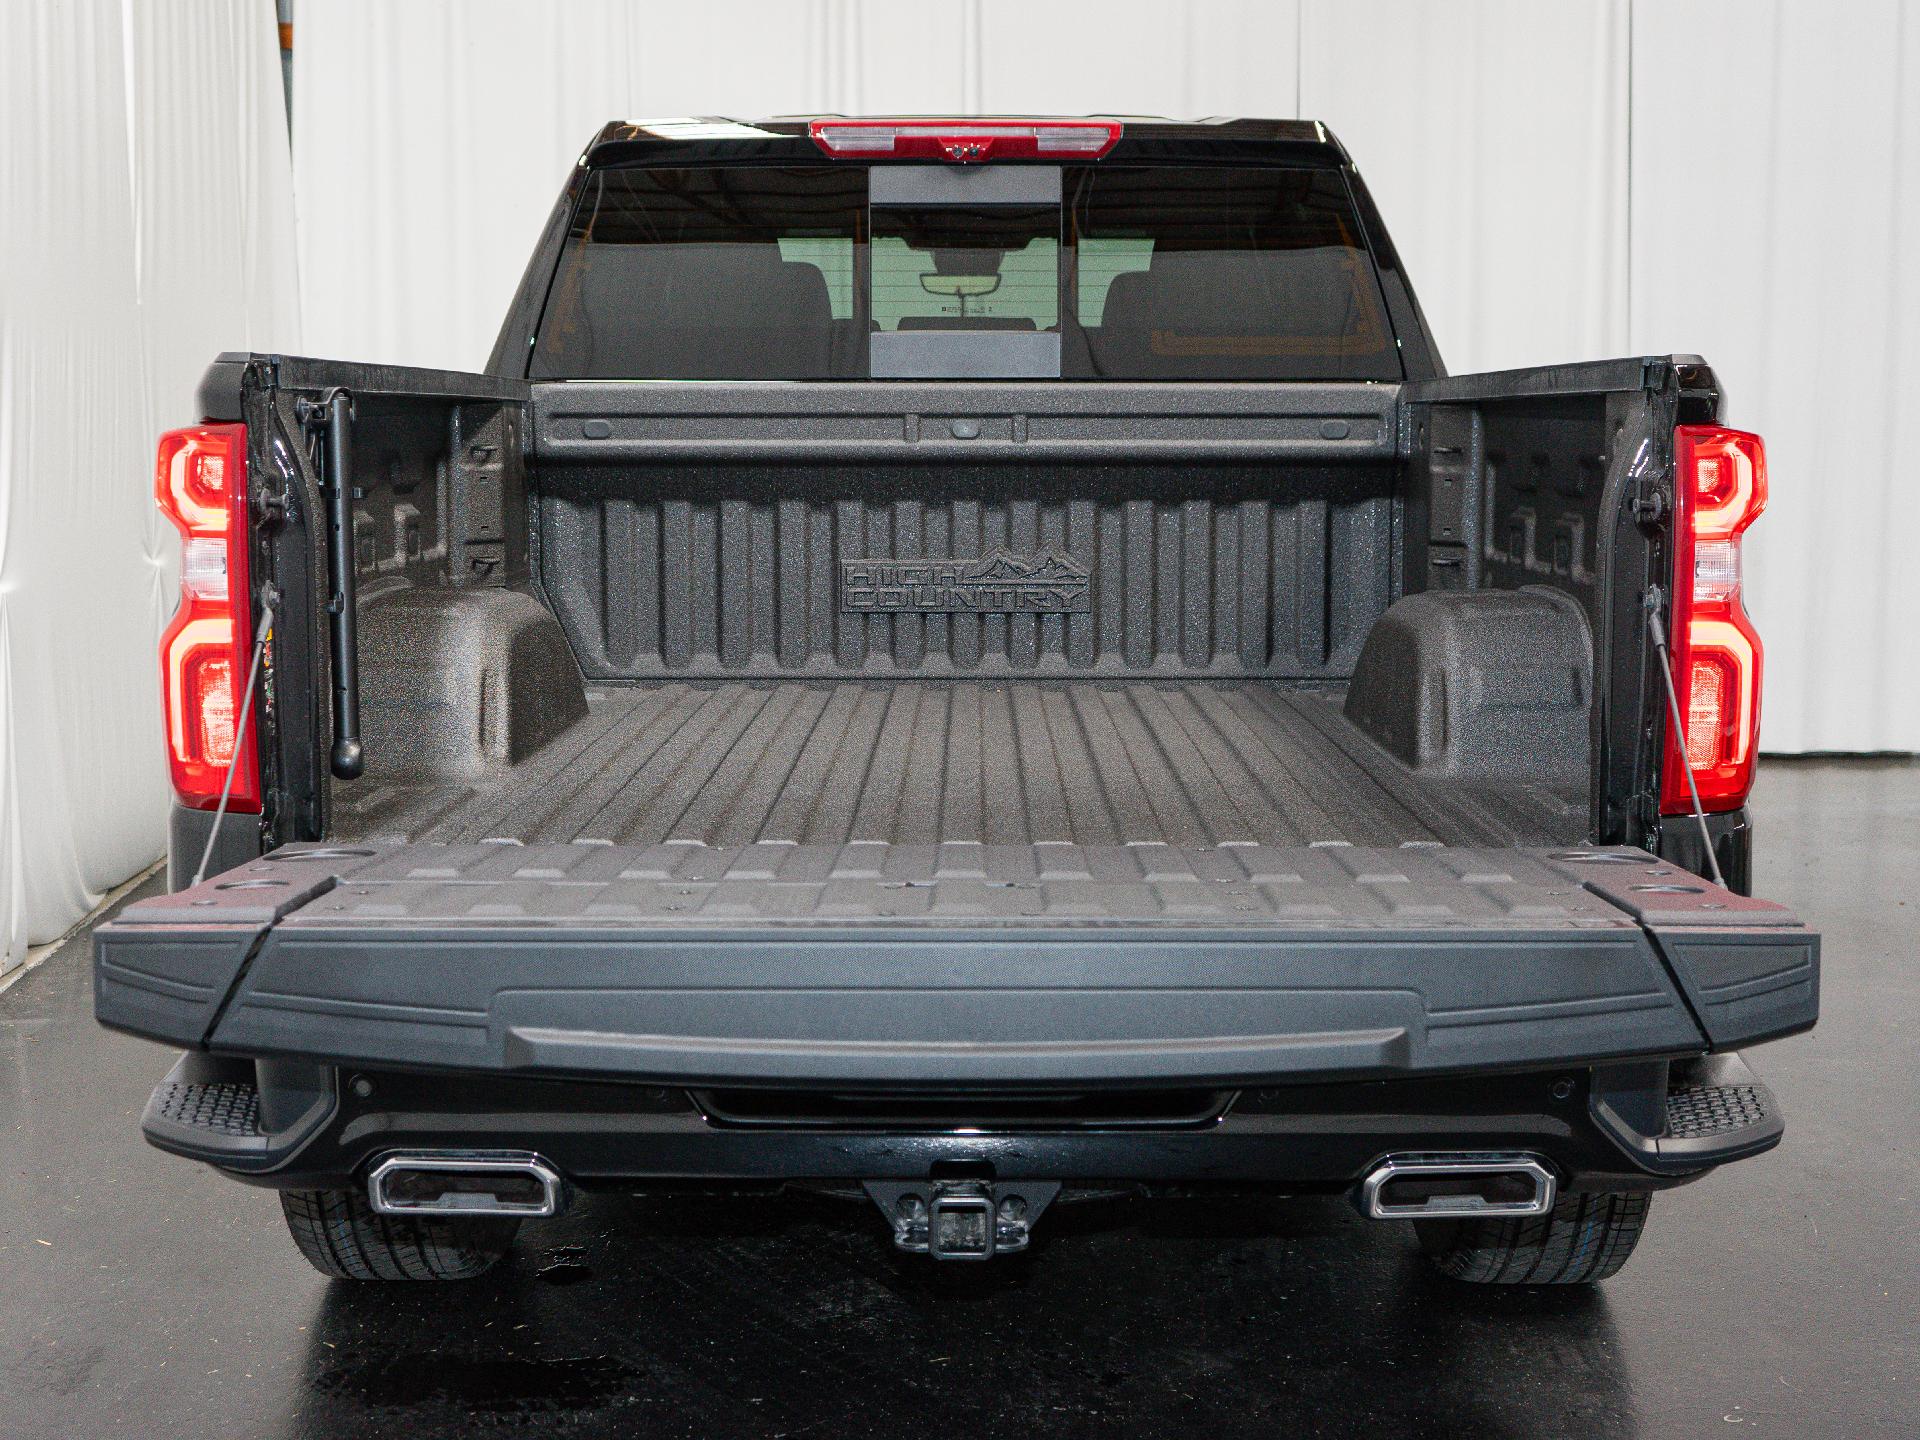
956, 964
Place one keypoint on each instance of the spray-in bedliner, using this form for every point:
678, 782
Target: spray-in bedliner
925, 762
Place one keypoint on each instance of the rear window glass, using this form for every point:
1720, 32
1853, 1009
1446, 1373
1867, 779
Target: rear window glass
1190, 274
943, 267
740, 273
1143, 273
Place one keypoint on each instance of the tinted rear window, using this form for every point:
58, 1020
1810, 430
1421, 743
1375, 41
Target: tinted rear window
992, 267
1223, 275
744, 273
1161, 273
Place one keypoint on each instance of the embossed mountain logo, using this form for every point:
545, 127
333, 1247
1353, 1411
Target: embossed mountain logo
1000, 582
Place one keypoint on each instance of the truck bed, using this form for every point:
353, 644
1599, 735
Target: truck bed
920, 762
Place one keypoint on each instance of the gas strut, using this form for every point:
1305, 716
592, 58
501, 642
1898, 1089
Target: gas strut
332, 417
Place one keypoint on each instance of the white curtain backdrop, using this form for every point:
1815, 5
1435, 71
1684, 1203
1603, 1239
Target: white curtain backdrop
1493, 134
146, 223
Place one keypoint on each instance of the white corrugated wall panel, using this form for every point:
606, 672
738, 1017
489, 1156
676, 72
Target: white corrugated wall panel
1493, 135
1776, 207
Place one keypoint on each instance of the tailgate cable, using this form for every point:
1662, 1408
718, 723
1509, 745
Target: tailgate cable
260, 633
1659, 634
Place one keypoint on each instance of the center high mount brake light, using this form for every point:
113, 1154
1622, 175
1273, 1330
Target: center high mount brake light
965, 142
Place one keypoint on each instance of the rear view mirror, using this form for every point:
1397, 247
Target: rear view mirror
965, 286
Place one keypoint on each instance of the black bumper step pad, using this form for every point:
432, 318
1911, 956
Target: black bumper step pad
1697, 1111
210, 1107
227, 1108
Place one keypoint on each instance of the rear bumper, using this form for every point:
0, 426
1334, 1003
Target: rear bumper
600, 1006
1633, 1127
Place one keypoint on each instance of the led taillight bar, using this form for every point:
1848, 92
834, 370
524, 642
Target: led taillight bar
966, 142
200, 480
1720, 488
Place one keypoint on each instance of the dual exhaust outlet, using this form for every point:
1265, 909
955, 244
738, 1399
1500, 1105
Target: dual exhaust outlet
1457, 1187
495, 1183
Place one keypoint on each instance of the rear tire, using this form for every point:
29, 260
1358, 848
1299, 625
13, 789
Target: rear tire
1586, 1238
344, 1237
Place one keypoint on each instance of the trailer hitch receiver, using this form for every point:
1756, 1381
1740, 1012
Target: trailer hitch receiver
962, 1219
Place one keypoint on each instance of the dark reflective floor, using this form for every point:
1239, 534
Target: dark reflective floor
141, 1295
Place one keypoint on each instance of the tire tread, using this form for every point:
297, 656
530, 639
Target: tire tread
1586, 1238
344, 1237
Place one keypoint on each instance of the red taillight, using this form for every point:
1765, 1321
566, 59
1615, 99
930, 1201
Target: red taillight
1720, 489
200, 480
966, 142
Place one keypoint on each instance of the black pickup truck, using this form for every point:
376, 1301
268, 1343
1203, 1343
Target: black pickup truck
965, 661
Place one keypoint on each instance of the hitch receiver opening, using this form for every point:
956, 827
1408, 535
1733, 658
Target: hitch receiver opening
962, 1219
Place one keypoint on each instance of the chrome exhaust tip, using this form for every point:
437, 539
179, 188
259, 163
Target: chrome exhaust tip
466, 1182
1457, 1187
